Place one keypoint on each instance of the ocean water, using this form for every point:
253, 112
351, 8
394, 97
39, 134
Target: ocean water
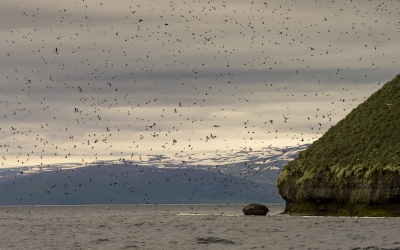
139, 209
187, 227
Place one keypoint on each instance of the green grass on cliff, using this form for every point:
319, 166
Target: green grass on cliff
364, 143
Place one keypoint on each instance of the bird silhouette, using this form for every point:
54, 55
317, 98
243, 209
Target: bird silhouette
177, 81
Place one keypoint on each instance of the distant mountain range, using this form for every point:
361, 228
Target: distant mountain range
240, 177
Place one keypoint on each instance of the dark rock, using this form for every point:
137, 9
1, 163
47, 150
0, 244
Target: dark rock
210, 240
255, 209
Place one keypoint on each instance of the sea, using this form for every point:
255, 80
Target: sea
204, 226
142, 209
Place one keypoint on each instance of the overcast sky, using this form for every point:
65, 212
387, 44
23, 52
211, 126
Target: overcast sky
87, 80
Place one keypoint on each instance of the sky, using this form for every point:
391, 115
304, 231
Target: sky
85, 81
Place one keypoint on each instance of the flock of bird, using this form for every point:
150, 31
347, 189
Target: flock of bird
90, 81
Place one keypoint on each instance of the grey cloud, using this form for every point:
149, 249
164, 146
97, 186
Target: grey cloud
236, 65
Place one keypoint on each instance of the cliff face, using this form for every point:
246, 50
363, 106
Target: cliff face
354, 168
325, 195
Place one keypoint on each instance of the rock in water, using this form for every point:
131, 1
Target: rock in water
255, 209
354, 168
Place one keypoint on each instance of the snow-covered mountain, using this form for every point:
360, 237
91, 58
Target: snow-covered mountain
235, 177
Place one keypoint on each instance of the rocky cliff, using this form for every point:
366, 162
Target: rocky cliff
354, 168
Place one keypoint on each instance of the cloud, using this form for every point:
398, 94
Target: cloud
90, 81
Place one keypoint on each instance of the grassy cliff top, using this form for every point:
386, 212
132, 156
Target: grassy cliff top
367, 138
